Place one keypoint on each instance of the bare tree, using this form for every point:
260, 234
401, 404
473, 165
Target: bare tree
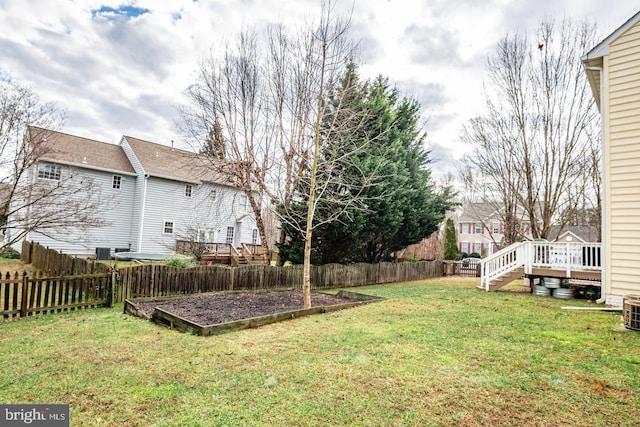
259, 97
42, 196
225, 117
531, 146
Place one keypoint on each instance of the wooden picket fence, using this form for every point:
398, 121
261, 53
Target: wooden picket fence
158, 280
56, 263
23, 295
73, 283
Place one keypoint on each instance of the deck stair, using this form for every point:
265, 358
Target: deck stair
540, 258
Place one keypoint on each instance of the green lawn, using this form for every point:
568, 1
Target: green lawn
436, 352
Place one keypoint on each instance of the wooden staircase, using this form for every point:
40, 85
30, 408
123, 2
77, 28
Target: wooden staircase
540, 258
505, 279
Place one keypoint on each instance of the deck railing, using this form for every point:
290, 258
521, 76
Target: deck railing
566, 256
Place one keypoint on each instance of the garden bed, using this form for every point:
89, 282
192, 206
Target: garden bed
213, 314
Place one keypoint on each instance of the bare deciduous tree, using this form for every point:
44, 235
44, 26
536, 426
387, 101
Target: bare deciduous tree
532, 147
48, 206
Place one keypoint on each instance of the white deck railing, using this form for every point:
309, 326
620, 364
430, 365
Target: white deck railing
565, 256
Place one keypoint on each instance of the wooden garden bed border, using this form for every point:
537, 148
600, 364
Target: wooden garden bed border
181, 324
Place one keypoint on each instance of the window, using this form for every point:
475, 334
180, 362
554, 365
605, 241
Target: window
477, 247
187, 190
230, 233
478, 228
49, 171
495, 227
465, 228
464, 247
206, 235
243, 203
254, 237
168, 227
117, 182
213, 195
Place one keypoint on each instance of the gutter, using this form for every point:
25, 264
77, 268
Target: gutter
603, 228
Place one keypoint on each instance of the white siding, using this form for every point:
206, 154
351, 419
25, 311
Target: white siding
166, 201
622, 164
116, 212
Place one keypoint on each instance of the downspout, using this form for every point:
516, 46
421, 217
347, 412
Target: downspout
603, 189
142, 209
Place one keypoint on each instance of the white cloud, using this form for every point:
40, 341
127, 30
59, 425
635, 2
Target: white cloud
120, 70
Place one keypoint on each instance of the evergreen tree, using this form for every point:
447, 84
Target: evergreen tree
402, 206
450, 243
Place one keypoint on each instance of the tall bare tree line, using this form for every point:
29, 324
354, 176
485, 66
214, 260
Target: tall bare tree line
534, 144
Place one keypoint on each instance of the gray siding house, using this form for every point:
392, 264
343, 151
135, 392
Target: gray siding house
153, 196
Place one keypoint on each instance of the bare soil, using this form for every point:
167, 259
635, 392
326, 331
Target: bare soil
215, 309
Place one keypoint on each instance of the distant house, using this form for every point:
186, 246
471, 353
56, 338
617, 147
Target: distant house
480, 228
154, 196
573, 233
613, 70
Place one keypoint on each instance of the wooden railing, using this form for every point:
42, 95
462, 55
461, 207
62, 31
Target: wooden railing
202, 248
254, 252
564, 256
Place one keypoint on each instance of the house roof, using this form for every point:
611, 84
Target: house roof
475, 212
76, 151
585, 233
592, 60
172, 163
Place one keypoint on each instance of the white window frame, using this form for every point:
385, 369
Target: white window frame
168, 225
116, 182
477, 247
213, 195
478, 228
254, 236
188, 190
231, 235
244, 202
206, 235
464, 247
495, 227
49, 171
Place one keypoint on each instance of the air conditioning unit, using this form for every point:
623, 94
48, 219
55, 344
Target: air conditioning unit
103, 253
631, 309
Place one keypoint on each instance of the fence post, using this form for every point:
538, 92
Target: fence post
25, 291
113, 287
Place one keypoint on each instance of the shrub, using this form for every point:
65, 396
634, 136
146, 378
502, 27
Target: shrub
178, 262
9, 253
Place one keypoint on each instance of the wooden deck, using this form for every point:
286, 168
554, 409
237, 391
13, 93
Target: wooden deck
577, 261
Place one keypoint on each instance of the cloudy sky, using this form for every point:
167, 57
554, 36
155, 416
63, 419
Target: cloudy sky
120, 67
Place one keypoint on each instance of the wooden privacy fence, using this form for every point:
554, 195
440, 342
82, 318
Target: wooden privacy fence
56, 263
157, 280
160, 280
22, 296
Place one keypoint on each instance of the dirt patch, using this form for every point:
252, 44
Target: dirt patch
215, 309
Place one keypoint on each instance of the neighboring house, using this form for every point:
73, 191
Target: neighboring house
153, 195
573, 233
480, 228
613, 69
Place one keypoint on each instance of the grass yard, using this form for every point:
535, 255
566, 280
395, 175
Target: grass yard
437, 352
